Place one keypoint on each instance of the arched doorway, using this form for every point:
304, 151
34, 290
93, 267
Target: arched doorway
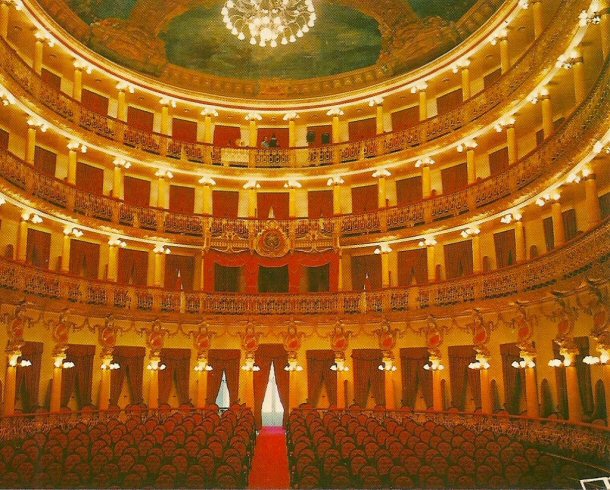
272, 411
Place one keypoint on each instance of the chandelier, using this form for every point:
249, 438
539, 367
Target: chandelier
269, 22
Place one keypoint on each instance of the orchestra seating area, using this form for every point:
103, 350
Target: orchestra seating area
165, 449
336, 449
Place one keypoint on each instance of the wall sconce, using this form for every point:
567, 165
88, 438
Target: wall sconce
381, 172
600, 146
77, 146
125, 87
37, 123
250, 368
203, 367
290, 116
161, 249
110, 367
524, 4
594, 360
168, 101
22, 363
387, 365
2, 200
6, 97
426, 161
121, 162
510, 217
542, 200
591, 16
575, 178
504, 123
45, 37
555, 363
164, 173
377, 100
382, 248
296, 367
205, 180
460, 65
472, 231
567, 60
538, 94
117, 242
522, 364
427, 242
155, 366
209, 111
339, 367
499, 35
335, 112
479, 365
292, 184
419, 87
252, 184
74, 232
434, 366
335, 180
32, 218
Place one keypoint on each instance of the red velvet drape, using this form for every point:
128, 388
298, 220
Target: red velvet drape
412, 264
226, 135
177, 370
449, 101
320, 203
181, 199
79, 379
227, 361
368, 377
364, 199
27, 379
549, 233
84, 259
137, 191
140, 119
362, 129
94, 102
265, 355
183, 130
133, 267
184, 265
514, 379
225, 204
454, 178
405, 118
319, 373
281, 135
45, 161
583, 372
409, 190
51, 79
278, 201
228, 279
366, 272
89, 178
569, 223
131, 362
414, 376
460, 356
38, 250
251, 262
458, 259
498, 161
506, 248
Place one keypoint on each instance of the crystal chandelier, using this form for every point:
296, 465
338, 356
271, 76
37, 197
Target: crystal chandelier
269, 22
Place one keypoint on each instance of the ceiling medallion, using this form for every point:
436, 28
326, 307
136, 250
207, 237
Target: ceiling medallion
269, 22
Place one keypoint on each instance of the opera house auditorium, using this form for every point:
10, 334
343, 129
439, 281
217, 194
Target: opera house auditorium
305, 244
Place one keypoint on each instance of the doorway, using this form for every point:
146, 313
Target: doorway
273, 410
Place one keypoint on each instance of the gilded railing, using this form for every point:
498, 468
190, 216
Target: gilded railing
579, 131
541, 56
581, 255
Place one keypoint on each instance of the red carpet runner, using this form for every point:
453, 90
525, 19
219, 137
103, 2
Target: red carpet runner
270, 463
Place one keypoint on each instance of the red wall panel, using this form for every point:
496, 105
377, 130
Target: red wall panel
45, 161
94, 102
454, 178
320, 203
409, 190
362, 129
225, 204
281, 134
226, 135
137, 191
140, 119
181, 199
183, 130
84, 259
448, 102
133, 267
38, 250
364, 198
405, 118
51, 79
89, 178
183, 265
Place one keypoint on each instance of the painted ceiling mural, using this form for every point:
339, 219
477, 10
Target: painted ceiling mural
394, 35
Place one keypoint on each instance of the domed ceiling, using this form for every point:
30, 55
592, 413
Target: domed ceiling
186, 41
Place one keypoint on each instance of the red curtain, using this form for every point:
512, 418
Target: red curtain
226, 135
227, 361
569, 223
177, 370
131, 362
498, 161
78, 379
183, 130
51, 79
366, 272
3, 139
319, 204
140, 119
278, 201
405, 118
505, 248
38, 251
409, 190
319, 135
549, 233
491, 78
133, 267
514, 379
447, 102
45, 161
251, 262
604, 201
225, 204
454, 178
137, 191
460, 356
368, 377
412, 264
185, 266
281, 135
414, 376
228, 279
94, 102
458, 259
84, 259
181, 199
364, 198
265, 355
27, 379
362, 129
319, 373
89, 179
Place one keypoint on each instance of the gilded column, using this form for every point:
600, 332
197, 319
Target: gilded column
4, 18
520, 245
547, 113
538, 17
65, 252
573, 392
77, 85
559, 233
594, 215
504, 53
22, 238
58, 360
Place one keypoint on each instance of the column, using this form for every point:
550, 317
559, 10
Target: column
292, 203
385, 270
159, 268
65, 252
253, 130
547, 114
252, 203
379, 123
465, 71
390, 390
511, 144
431, 262
520, 246
77, 87
72, 164
538, 20
30, 145
578, 69
208, 130
574, 405
504, 54
200, 271
104, 396
121, 105
4, 19
471, 166
113, 262
604, 26
22, 240
10, 383
486, 400
337, 206
558, 228
294, 394
292, 132
153, 386
162, 192
202, 387
594, 214
207, 200
531, 388
165, 119
118, 191
38, 53
55, 406
437, 393
423, 103
336, 130
477, 259
426, 182
382, 193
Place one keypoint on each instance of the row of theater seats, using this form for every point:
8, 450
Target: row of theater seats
357, 450
174, 449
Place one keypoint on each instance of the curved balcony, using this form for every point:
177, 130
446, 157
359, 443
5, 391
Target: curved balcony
576, 135
586, 255
518, 82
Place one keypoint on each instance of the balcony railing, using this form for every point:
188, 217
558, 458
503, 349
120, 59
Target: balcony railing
586, 254
517, 82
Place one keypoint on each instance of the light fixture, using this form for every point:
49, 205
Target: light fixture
339, 368
384, 367
250, 368
471, 231
292, 184
427, 242
45, 37
161, 249
252, 184
121, 162
434, 366
335, 111
209, 111
155, 366
32, 218
269, 22
22, 363
594, 360
537, 95
383, 248
559, 363
206, 180
293, 367
548, 197
37, 123
423, 162
600, 146
381, 172
591, 16
117, 242
508, 218
567, 60
203, 367
335, 180
83, 65
67, 365
164, 173
499, 35
469, 144
77, 146
479, 365
253, 116
74, 232
2, 200
576, 177
123, 86
290, 116
505, 122
419, 87
522, 364
6, 97
377, 100
524, 4
110, 366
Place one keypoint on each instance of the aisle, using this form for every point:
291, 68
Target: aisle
270, 462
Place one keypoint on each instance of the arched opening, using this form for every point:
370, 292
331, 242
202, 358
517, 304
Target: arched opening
273, 410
